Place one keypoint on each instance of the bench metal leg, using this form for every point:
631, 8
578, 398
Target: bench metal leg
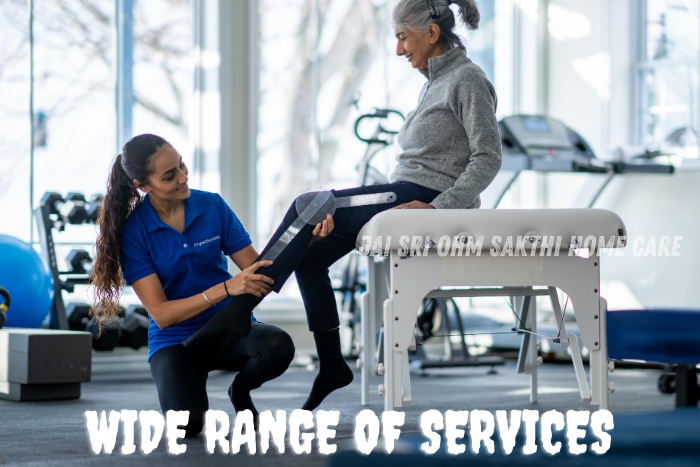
527, 358
413, 278
686, 386
366, 356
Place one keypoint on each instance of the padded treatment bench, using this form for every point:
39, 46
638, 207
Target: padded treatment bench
396, 287
43, 364
669, 336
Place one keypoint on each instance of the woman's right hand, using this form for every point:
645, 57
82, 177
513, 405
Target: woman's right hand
248, 282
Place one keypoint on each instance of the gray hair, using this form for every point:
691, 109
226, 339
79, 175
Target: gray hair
415, 16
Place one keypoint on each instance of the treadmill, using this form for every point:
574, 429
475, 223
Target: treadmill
543, 144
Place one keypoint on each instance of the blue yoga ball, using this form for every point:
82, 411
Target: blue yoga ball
26, 276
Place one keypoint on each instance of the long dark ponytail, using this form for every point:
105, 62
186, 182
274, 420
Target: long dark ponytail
121, 197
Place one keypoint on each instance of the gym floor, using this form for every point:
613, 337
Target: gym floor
55, 433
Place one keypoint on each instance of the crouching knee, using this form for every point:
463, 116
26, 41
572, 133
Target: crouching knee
281, 349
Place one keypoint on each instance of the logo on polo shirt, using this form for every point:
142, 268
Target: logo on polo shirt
208, 240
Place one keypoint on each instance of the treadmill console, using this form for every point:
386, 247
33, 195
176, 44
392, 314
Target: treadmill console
548, 144
544, 144
537, 136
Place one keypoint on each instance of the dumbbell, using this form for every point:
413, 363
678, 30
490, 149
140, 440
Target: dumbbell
74, 209
79, 320
134, 329
138, 309
78, 316
79, 261
109, 337
54, 201
93, 208
4, 305
129, 331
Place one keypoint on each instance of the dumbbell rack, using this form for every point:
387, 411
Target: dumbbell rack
45, 225
132, 328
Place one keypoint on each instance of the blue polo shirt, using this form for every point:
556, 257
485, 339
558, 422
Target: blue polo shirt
186, 263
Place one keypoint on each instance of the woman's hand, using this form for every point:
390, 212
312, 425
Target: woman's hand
248, 282
414, 205
323, 229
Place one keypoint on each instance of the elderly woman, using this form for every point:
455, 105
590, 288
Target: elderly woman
451, 153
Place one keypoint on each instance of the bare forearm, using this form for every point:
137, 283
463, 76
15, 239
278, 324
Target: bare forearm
171, 312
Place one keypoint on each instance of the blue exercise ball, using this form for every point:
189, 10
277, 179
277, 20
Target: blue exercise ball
26, 276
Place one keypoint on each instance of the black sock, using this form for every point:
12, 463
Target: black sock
333, 373
241, 400
233, 319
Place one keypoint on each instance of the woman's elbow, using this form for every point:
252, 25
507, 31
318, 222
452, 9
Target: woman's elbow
490, 162
162, 325
161, 321
498, 162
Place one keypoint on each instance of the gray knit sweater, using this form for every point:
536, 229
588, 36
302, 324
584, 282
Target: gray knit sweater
450, 141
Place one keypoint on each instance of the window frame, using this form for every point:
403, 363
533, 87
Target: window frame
642, 66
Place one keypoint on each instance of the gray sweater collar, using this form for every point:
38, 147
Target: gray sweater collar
443, 64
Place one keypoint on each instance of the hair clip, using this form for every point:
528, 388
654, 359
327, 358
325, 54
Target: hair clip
434, 10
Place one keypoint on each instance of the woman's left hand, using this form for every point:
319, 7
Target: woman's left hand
414, 205
323, 229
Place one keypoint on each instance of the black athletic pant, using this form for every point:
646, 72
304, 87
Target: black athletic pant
310, 262
180, 373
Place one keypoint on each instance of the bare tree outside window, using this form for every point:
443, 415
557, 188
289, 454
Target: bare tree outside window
74, 89
316, 56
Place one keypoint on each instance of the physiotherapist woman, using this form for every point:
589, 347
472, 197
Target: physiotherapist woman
170, 243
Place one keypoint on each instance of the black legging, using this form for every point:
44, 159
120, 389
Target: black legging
180, 373
311, 263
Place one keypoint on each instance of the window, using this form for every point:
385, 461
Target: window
163, 71
74, 94
14, 120
323, 63
667, 117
